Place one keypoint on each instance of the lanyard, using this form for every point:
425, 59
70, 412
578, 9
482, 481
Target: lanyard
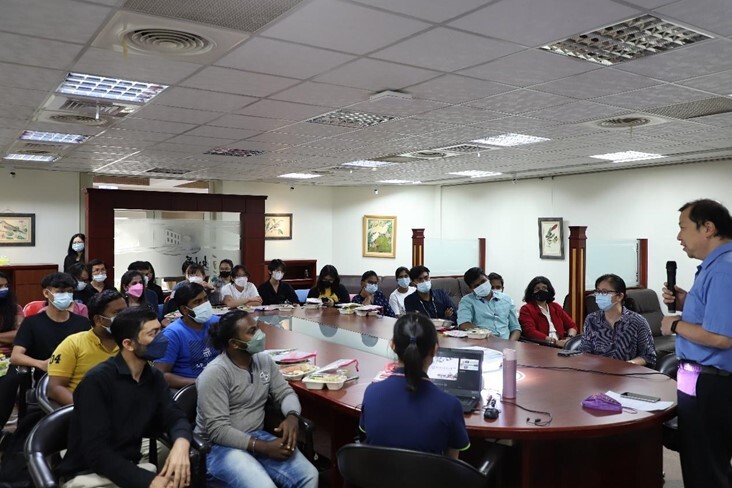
434, 308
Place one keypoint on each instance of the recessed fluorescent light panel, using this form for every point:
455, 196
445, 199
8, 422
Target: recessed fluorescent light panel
299, 176
367, 164
626, 156
351, 119
109, 88
510, 139
43, 158
475, 173
631, 39
32, 135
400, 182
232, 151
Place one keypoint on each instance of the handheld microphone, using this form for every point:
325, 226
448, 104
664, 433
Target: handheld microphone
671, 281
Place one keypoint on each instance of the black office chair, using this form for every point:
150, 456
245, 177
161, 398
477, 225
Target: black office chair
669, 365
46, 440
46, 404
365, 466
273, 417
573, 343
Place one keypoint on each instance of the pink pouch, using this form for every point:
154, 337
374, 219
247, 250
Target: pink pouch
600, 401
687, 377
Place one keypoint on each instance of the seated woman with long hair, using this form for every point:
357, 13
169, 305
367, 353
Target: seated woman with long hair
542, 319
406, 410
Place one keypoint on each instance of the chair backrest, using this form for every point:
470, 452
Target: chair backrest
187, 400
32, 308
365, 466
302, 295
668, 365
46, 404
574, 343
47, 438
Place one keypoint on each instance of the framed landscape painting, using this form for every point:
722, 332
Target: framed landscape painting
379, 236
277, 226
17, 229
551, 238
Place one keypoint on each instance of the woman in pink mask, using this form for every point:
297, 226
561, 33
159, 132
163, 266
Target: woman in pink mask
133, 289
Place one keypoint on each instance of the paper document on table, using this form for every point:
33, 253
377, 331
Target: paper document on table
639, 404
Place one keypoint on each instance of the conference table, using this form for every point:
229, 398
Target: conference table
580, 447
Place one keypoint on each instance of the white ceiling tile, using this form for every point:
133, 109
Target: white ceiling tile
430, 10
320, 130
127, 135
655, 96
200, 141
323, 94
177, 148
520, 101
152, 69
411, 126
37, 52
258, 124
446, 50
19, 97
530, 68
138, 124
257, 146
222, 132
456, 89
460, 115
522, 124
283, 110
240, 82
343, 27
60, 19
542, 22
711, 15
651, 4
397, 107
30, 78
719, 83
202, 99
175, 114
282, 58
282, 138
598, 83
375, 75
685, 62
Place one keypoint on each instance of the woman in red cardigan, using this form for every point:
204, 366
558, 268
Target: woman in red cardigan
543, 320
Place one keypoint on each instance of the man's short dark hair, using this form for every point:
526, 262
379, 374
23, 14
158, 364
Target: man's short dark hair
495, 276
95, 262
98, 303
139, 266
58, 280
473, 274
194, 268
128, 323
187, 292
277, 263
77, 269
706, 210
239, 267
416, 271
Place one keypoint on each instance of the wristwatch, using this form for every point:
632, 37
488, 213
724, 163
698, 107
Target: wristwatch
674, 324
292, 412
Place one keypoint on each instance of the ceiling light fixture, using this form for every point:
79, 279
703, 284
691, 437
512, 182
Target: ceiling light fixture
299, 176
476, 173
32, 135
43, 158
510, 139
627, 156
363, 163
109, 88
351, 119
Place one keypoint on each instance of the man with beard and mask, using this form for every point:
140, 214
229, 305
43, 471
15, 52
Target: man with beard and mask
40, 334
432, 302
80, 352
542, 319
189, 350
117, 403
232, 393
487, 308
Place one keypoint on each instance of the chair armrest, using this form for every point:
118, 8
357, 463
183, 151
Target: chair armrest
200, 444
40, 471
306, 425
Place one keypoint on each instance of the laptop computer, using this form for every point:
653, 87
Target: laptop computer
459, 373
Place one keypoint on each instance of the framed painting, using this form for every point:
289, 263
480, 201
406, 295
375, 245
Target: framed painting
17, 229
379, 236
277, 226
551, 238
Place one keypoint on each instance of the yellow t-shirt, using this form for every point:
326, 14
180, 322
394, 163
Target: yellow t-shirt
76, 355
329, 294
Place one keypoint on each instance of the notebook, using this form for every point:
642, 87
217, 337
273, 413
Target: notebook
458, 372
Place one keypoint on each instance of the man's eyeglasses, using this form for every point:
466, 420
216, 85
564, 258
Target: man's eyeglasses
604, 293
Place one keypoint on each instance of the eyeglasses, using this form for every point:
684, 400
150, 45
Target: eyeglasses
604, 293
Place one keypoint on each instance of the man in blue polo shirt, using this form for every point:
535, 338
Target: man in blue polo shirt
704, 345
487, 308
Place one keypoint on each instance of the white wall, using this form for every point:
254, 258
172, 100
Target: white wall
54, 197
639, 203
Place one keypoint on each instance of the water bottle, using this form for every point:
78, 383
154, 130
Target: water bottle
509, 373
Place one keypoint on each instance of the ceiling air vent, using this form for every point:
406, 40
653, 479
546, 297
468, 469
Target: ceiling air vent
631, 39
232, 151
77, 119
396, 159
166, 41
448, 151
627, 121
699, 108
88, 107
169, 171
21, 147
351, 119
74, 105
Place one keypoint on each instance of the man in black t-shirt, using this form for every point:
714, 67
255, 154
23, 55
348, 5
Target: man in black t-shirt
40, 334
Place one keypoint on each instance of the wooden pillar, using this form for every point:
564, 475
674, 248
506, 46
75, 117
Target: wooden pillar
577, 267
417, 247
481, 252
643, 263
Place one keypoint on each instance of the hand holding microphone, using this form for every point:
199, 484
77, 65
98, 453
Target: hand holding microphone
673, 296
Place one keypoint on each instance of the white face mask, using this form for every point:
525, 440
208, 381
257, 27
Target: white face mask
241, 281
194, 279
100, 277
278, 275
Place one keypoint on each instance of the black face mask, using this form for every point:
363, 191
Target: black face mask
225, 274
543, 295
326, 284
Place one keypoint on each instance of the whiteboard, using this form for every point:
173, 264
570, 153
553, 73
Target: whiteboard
446, 257
618, 257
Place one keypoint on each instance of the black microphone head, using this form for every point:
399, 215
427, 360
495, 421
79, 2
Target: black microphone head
670, 265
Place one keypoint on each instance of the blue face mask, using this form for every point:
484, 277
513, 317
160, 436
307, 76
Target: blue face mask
483, 290
155, 350
403, 282
203, 312
81, 286
497, 294
424, 287
77, 246
604, 302
255, 344
371, 288
4, 292
62, 300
